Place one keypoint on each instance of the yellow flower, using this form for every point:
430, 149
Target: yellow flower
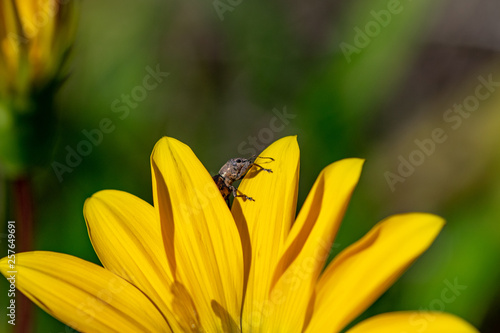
189, 264
35, 39
35, 36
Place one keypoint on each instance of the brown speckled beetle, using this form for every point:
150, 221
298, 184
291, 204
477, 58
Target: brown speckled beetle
233, 170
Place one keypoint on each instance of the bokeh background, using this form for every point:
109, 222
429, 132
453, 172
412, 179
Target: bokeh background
234, 66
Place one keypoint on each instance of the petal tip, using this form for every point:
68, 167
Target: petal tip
428, 218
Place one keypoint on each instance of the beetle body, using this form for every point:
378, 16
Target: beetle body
231, 171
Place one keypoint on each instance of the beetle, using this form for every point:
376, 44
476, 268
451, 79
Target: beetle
233, 170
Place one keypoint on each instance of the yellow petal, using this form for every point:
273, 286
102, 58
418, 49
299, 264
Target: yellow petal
9, 31
126, 234
363, 271
199, 233
264, 223
309, 242
414, 322
83, 295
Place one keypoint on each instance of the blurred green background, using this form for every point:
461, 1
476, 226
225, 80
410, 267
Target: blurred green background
232, 72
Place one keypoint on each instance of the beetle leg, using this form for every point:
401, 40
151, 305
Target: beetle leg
260, 166
272, 159
236, 195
